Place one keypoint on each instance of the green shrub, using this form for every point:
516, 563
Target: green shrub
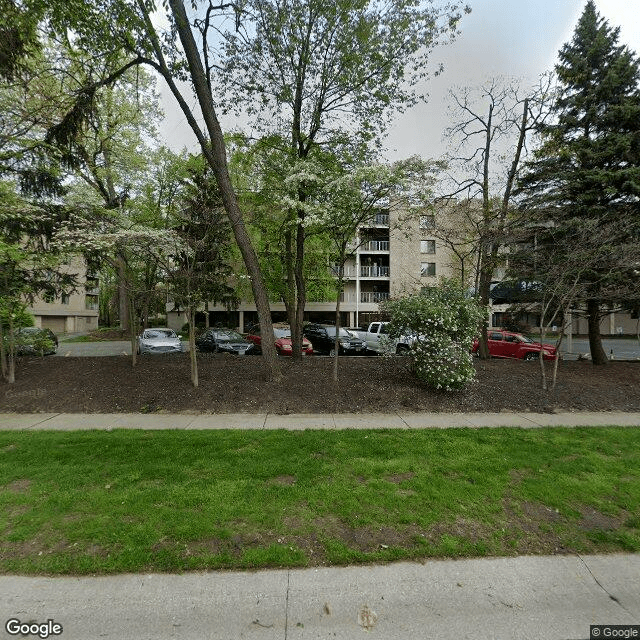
443, 322
21, 317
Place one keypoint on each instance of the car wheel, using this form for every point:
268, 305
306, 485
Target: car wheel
531, 356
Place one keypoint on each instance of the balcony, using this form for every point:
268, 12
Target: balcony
375, 245
381, 219
348, 272
366, 271
374, 272
373, 296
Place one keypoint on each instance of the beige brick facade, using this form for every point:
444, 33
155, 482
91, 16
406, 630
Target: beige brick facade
72, 313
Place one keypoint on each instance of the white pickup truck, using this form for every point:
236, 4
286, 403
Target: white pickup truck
377, 331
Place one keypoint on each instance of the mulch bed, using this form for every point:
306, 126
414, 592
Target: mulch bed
239, 385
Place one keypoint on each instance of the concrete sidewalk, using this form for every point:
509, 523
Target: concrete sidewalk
73, 421
536, 598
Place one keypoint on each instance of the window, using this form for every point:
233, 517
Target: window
427, 246
65, 298
427, 222
428, 269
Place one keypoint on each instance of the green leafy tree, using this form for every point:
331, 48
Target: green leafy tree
326, 75
122, 34
109, 156
200, 270
266, 182
588, 165
444, 322
30, 266
347, 197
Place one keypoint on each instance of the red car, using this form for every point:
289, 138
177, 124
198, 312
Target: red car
282, 334
505, 344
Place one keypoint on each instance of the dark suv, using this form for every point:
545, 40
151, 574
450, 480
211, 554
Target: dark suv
323, 338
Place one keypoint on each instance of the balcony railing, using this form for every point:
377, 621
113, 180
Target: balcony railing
93, 291
366, 271
91, 306
375, 245
381, 218
374, 272
348, 272
373, 296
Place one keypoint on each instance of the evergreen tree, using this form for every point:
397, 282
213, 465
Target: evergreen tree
588, 166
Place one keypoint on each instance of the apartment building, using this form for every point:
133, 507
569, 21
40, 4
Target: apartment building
394, 255
398, 254
73, 312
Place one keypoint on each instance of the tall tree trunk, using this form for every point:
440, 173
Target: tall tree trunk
301, 295
133, 337
3, 354
123, 296
543, 369
336, 343
290, 296
598, 355
214, 150
484, 290
11, 356
191, 313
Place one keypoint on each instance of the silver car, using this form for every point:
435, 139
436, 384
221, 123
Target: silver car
159, 340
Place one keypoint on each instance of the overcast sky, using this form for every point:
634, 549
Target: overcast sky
514, 38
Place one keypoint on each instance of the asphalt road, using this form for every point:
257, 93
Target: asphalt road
620, 348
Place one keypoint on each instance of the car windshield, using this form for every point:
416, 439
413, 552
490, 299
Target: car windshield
281, 333
228, 336
331, 331
162, 334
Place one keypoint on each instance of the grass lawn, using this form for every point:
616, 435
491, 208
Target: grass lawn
108, 502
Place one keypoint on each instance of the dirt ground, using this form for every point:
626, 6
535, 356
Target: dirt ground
231, 384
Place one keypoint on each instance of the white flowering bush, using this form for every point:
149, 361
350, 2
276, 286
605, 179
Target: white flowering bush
443, 322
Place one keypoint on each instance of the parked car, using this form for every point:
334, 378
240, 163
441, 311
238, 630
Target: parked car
506, 344
323, 338
35, 341
224, 340
377, 339
282, 334
159, 340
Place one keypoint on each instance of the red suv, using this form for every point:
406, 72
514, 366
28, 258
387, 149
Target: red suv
282, 334
504, 344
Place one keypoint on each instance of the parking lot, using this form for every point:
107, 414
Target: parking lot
619, 348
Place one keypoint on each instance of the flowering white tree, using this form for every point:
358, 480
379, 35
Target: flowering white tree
444, 322
341, 199
107, 235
